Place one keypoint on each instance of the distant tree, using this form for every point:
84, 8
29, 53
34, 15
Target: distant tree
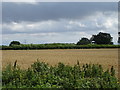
118, 40
119, 33
118, 37
83, 41
14, 43
101, 38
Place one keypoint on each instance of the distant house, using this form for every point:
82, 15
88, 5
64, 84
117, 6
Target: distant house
92, 39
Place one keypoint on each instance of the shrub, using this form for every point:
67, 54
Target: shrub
41, 75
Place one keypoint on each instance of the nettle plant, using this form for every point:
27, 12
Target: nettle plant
42, 75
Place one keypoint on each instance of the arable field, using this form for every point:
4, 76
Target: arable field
105, 57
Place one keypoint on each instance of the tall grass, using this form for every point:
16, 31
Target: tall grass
41, 75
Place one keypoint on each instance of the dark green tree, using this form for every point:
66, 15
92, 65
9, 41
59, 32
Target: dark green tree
14, 43
102, 38
119, 40
83, 41
119, 37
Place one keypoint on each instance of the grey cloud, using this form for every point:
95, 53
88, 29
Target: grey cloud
61, 14
94, 23
53, 11
58, 27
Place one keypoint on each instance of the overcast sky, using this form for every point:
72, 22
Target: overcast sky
57, 22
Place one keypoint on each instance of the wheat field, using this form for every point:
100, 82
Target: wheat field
105, 57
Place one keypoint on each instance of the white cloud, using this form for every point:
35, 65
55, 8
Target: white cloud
109, 23
13, 26
43, 34
28, 26
21, 1
78, 23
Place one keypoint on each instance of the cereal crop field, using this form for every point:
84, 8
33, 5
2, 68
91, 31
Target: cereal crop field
105, 57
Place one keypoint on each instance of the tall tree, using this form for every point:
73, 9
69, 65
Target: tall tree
83, 41
102, 38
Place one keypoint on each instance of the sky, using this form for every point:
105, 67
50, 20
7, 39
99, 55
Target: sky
57, 22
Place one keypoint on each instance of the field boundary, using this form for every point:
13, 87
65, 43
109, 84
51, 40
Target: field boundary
55, 46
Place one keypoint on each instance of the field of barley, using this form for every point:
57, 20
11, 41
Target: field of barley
105, 57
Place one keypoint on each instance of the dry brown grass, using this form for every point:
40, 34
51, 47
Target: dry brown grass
105, 57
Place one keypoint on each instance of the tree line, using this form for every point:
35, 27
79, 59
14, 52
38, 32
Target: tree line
101, 40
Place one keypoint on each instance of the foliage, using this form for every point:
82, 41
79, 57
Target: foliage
83, 41
102, 38
41, 75
56, 46
14, 43
119, 39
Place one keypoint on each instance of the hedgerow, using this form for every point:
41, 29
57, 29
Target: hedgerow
56, 46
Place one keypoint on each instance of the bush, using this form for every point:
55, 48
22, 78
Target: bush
41, 75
